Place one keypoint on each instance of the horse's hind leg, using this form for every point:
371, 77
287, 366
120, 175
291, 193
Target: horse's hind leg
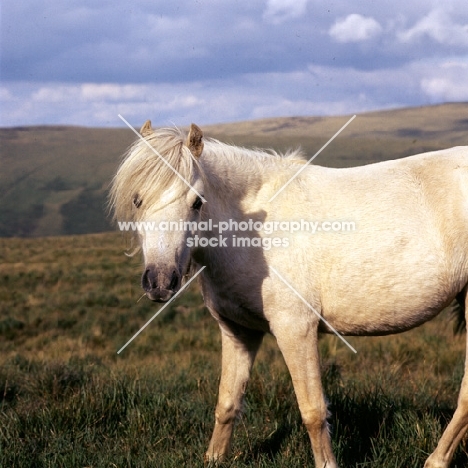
239, 349
442, 455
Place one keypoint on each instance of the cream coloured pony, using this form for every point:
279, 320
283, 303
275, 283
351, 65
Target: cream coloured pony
406, 259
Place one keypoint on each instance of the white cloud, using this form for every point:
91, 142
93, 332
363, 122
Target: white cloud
355, 28
111, 92
5, 95
54, 94
438, 26
316, 90
278, 11
448, 83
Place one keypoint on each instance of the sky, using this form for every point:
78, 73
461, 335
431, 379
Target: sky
215, 61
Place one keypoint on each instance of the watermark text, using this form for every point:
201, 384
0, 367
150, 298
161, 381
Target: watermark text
250, 225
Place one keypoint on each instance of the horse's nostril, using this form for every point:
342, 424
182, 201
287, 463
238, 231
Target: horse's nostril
174, 281
144, 280
147, 280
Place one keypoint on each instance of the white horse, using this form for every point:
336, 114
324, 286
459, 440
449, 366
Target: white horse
404, 262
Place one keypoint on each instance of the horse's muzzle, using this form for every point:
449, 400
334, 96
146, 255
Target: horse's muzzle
160, 285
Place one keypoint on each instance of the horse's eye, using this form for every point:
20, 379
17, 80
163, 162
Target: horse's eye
137, 201
197, 204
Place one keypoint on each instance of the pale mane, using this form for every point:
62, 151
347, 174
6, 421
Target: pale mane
143, 176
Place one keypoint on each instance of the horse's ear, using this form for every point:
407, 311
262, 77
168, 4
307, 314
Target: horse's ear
146, 129
195, 140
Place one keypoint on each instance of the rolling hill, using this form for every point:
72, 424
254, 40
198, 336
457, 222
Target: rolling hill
54, 179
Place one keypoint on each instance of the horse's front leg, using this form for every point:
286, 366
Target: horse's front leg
239, 348
297, 340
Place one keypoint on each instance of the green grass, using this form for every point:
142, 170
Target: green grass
68, 400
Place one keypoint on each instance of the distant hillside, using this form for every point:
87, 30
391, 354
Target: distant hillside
54, 180
371, 137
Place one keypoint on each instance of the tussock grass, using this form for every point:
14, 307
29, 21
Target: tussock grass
68, 400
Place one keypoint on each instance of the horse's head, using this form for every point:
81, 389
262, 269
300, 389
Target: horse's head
159, 188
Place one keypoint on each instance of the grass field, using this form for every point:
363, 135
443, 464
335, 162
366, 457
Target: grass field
67, 304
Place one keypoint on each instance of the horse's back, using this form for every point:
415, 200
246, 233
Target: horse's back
425, 188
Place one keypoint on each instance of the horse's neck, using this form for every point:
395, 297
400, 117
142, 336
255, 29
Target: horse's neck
233, 175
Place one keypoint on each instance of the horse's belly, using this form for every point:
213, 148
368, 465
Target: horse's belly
378, 323
384, 287
387, 310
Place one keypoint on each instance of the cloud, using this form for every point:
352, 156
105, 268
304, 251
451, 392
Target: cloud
438, 26
355, 28
5, 95
111, 92
50, 95
314, 90
450, 82
279, 11
83, 62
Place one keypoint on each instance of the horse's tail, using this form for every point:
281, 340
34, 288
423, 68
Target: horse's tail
458, 313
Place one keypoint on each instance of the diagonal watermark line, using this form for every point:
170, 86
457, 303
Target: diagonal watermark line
313, 310
181, 177
160, 310
312, 158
